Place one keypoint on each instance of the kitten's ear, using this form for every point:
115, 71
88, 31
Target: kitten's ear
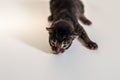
49, 29
74, 35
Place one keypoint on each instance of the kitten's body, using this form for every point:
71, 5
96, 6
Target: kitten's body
65, 15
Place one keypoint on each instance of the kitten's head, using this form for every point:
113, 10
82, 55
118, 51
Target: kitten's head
61, 35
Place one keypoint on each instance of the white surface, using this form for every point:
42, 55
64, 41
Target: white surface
24, 48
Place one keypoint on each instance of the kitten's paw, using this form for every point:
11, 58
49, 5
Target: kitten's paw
92, 45
87, 22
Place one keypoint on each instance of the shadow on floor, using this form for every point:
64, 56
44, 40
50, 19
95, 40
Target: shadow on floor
32, 30
37, 37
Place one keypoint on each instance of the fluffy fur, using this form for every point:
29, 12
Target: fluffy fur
65, 26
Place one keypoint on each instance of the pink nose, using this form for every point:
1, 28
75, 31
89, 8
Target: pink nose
58, 50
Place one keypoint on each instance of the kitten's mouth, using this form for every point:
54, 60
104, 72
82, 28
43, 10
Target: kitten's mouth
57, 51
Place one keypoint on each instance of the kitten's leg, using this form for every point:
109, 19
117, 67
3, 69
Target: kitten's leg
50, 18
81, 14
83, 35
85, 20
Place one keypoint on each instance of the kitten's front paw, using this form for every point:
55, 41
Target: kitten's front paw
92, 45
87, 22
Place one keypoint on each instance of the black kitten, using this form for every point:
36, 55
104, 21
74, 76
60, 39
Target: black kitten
65, 27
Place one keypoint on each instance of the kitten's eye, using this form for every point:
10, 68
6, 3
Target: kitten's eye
53, 43
68, 42
65, 44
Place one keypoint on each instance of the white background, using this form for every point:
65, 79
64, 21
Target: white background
26, 55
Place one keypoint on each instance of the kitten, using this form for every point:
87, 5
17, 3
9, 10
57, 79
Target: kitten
65, 26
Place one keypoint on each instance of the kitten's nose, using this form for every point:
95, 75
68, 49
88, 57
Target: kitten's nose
58, 50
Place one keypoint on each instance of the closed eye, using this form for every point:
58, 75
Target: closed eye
67, 42
65, 45
53, 43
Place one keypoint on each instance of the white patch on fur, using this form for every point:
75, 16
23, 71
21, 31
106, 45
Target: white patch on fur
53, 43
64, 46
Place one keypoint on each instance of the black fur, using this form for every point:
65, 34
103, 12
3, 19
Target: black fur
64, 17
62, 31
